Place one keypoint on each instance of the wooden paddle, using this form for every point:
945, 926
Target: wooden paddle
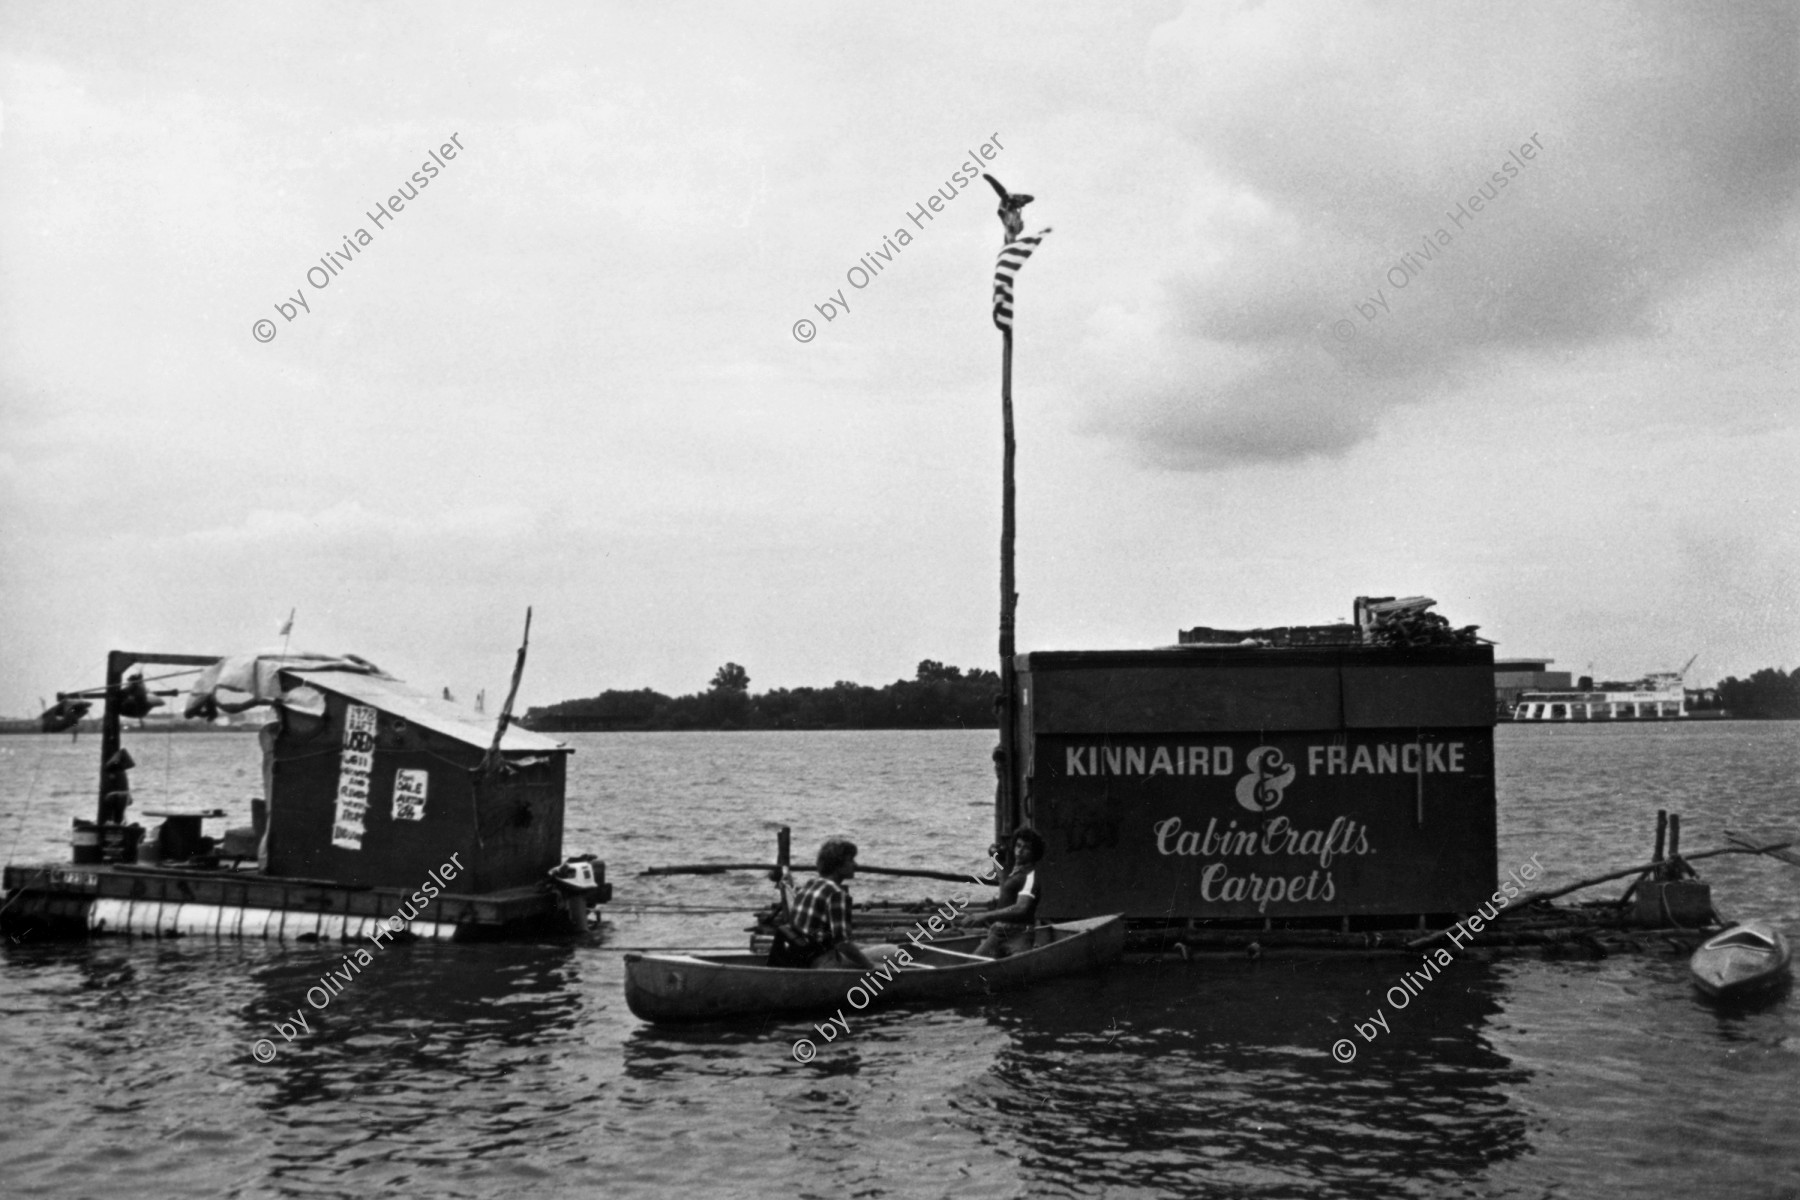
1772, 852
955, 953
721, 868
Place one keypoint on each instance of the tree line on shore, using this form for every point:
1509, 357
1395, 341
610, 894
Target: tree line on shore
1767, 694
937, 697
946, 697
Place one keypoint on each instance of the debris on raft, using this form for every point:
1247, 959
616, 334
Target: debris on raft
1666, 909
1380, 621
1591, 929
1393, 622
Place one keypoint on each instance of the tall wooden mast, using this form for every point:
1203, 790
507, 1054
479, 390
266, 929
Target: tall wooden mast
1008, 814
1015, 249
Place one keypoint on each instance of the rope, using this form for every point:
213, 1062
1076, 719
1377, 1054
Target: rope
638, 909
31, 795
42, 871
37, 771
168, 762
96, 693
1668, 916
674, 949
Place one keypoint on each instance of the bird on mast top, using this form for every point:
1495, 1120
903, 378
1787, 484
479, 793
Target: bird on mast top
1010, 204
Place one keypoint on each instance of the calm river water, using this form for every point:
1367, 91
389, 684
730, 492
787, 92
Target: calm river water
515, 1071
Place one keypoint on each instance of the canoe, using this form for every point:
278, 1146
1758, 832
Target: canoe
1743, 959
691, 987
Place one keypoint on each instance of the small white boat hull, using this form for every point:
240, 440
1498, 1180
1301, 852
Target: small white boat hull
1746, 959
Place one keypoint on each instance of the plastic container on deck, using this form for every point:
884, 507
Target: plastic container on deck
1686, 904
179, 837
119, 843
84, 843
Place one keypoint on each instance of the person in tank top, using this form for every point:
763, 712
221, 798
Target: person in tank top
1008, 922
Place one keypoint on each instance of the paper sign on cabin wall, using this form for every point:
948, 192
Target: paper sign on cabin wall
354, 765
409, 793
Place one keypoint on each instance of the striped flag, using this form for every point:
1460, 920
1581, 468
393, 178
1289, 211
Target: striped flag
1012, 257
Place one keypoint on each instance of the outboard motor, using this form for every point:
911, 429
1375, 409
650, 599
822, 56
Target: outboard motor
581, 881
135, 700
67, 711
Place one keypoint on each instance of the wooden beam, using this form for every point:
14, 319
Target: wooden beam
1538, 897
721, 868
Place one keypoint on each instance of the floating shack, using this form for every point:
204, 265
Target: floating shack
1261, 783
381, 806
1325, 777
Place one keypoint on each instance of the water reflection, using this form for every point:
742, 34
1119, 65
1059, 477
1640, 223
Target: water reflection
868, 1116
433, 1054
1216, 1078
1209, 1078
418, 1008
654, 1053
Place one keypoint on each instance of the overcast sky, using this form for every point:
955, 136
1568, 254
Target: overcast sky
566, 375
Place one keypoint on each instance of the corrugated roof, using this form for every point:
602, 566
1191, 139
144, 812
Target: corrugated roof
423, 709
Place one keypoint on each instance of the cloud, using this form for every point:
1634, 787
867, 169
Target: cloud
1383, 198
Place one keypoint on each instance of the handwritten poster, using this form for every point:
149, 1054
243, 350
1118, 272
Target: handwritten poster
409, 793
354, 765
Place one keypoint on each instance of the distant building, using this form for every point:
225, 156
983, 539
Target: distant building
1513, 677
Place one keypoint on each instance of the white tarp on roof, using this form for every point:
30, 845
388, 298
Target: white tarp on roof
247, 680
244, 681
423, 709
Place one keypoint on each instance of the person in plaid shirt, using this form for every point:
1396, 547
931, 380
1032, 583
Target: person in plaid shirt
820, 914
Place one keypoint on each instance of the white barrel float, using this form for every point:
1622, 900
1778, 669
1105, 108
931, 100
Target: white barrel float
158, 918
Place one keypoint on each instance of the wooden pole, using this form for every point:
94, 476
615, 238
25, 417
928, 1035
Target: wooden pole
116, 663
1534, 897
783, 853
1630, 891
1008, 817
1780, 855
491, 761
721, 868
